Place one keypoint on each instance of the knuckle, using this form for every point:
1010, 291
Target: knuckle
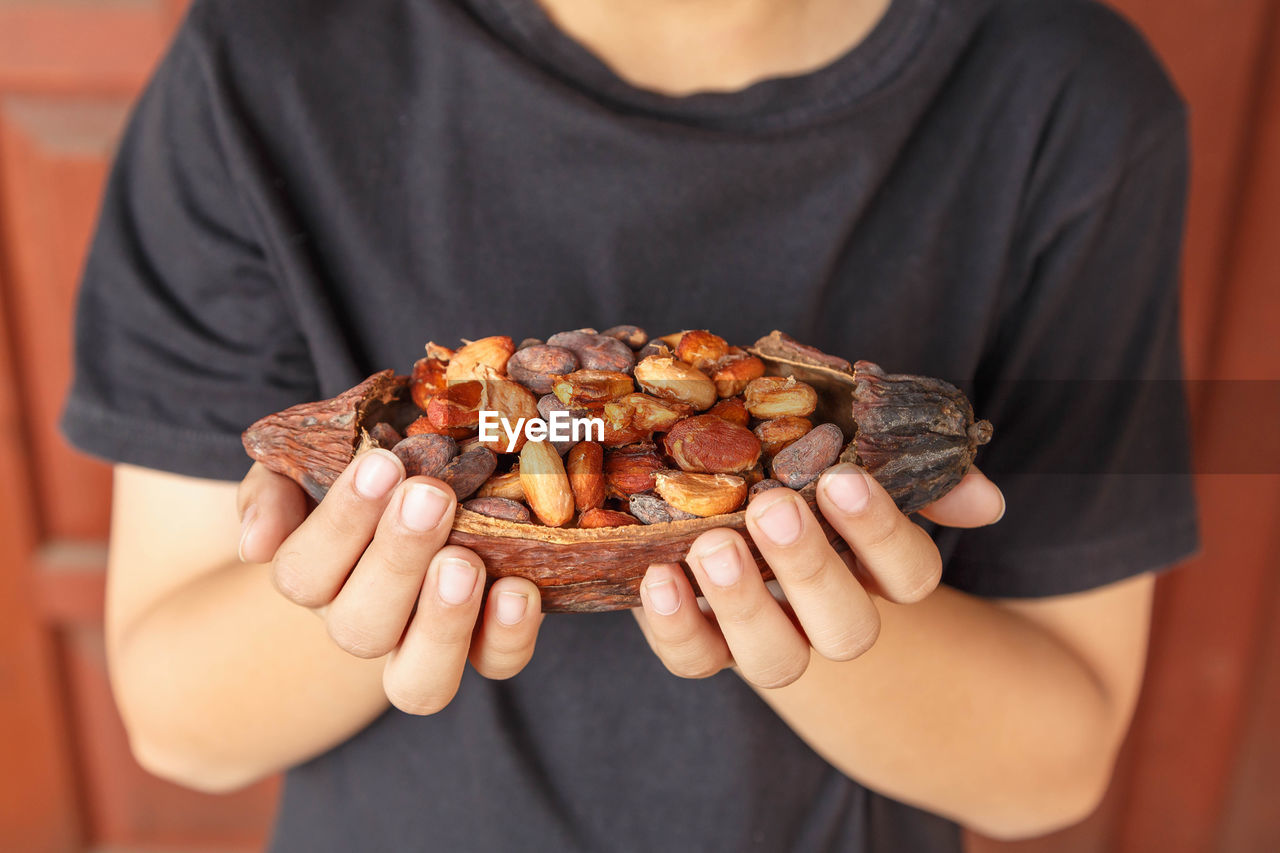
289, 576
692, 667
924, 581
851, 642
500, 665
779, 673
355, 639
447, 631
748, 610
420, 703
880, 529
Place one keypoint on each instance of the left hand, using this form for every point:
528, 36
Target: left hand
831, 596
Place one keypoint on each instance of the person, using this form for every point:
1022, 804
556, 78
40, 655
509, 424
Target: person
989, 191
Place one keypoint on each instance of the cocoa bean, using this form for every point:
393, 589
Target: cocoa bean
633, 336
596, 352
536, 367
763, 486
598, 517
652, 509
800, 463
504, 508
425, 454
466, 472
385, 435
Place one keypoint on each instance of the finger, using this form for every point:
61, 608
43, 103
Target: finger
899, 558
369, 613
508, 629
974, 502
682, 638
765, 643
837, 614
421, 674
271, 506
312, 563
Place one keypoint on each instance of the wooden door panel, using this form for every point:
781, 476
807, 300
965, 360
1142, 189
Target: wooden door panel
55, 155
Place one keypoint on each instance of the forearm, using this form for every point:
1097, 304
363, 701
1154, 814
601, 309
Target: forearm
223, 682
965, 709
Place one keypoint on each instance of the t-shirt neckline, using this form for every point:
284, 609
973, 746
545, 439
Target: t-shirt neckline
771, 103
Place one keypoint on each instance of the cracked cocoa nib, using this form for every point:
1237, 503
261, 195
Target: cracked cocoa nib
916, 435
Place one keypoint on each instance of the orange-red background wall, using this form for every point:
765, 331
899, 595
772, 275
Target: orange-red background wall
1201, 770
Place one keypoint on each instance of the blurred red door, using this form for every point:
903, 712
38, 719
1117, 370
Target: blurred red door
1201, 771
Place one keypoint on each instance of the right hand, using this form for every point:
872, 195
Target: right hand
372, 550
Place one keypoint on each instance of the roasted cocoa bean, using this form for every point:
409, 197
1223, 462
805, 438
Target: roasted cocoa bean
426, 454
800, 463
467, 471
764, 486
385, 435
711, 445
630, 469
777, 433
598, 517
585, 466
596, 352
504, 508
633, 336
536, 367
651, 509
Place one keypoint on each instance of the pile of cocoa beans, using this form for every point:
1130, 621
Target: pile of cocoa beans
692, 427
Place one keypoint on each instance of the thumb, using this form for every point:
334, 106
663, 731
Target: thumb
974, 502
271, 506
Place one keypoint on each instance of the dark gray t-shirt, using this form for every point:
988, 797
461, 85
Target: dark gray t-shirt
985, 190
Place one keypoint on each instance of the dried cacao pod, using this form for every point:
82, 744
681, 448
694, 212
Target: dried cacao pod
917, 436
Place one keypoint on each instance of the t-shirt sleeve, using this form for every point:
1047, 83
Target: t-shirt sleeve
182, 334
1083, 384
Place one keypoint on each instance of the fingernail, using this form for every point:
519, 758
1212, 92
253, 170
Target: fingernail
376, 475
422, 506
663, 596
780, 522
846, 485
246, 525
721, 564
457, 581
511, 607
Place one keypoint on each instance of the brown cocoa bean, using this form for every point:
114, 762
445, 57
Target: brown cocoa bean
733, 410
780, 396
701, 348
764, 486
467, 472
503, 486
651, 509
701, 494
710, 445
385, 435
658, 348
630, 469
536, 367
546, 484
597, 517
504, 508
777, 433
800, 463
426, 454
633, 336
596, 352
585, 466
